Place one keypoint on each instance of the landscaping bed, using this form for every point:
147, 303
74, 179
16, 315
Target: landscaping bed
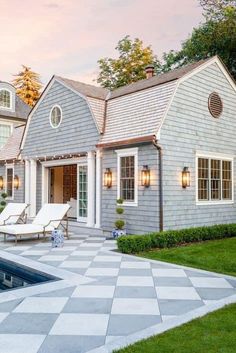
133, 244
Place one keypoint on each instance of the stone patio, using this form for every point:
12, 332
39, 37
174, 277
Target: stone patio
105, 300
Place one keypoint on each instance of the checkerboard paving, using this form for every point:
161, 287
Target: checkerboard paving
127, 295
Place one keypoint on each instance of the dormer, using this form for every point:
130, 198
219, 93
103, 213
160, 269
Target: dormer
7, 97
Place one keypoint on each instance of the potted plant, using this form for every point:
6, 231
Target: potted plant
3, 201
119, 223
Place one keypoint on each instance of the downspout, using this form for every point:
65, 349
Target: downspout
161, 213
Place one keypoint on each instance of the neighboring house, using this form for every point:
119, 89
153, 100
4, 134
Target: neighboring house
88, 146
13, 116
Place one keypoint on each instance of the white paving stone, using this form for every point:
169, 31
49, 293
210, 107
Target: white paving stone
41, 305
81, 325
209, 282
20, 343
134, 306
178, 293
105, 258
2, 317
75, 264
91, 291
84, 253
34, 252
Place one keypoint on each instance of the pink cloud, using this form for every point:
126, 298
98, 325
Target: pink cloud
67, 37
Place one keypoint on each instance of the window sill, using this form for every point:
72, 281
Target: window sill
207, 203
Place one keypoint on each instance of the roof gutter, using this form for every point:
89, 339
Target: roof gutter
161, 212
131, 141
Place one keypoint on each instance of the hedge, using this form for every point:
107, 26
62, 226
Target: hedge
130, 244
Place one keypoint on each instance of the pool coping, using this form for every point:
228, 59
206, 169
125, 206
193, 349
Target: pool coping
65, 278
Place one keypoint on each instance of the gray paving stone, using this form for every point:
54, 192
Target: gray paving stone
232, 282
135, 292
70, 344
215, 293
22, 323
88, 305
190, 273
65, 292
121, 325
172, 282
104, 264
10, 306
178, 307
80, 258
135, 272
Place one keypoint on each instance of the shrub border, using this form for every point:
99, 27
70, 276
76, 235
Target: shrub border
131, 244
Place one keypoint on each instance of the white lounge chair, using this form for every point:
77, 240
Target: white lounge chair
50, 217
13, 213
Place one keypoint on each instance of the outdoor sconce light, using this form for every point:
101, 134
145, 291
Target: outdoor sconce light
108, 178
145, 176
1, 183
16, 182
185, 178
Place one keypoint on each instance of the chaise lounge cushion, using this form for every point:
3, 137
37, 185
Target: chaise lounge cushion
15, 210
21, 229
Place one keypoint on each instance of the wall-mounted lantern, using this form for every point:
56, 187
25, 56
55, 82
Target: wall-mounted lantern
185, 178
145, 176
1, 182
108, 178
16, 182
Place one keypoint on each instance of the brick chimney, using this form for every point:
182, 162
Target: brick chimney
149, 71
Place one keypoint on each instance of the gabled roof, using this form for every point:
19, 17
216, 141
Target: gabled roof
157, 80
85, 89
11, 149
21, 108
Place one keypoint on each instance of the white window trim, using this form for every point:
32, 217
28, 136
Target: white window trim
11, 106
55, 106
212, 155
10, 166
126, 152
81, 219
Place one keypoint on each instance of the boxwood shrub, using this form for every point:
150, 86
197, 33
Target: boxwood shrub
131, 244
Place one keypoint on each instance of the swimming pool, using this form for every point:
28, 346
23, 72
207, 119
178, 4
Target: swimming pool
13, 275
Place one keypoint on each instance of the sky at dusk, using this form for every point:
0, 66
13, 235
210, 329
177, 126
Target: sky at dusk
67, 37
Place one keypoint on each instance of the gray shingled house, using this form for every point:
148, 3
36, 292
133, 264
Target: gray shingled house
13, 116
165, 145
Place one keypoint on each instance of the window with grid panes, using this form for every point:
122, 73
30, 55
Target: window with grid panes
5, 132
5, 99
83, 195
127, 178
214, 179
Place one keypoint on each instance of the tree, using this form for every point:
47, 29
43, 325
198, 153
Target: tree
129, 66
28, 85
216, 36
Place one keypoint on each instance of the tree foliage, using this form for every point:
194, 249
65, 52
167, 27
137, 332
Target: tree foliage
129, 66
216, 36
28, 85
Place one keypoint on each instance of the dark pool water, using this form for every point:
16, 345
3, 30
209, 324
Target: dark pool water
13, 275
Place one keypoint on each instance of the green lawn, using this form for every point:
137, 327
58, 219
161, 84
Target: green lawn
215, 255
213, 333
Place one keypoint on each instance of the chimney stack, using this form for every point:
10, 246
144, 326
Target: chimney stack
149, 71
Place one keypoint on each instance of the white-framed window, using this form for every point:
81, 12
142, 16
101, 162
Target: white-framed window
55, 117
10, 182
127, 176
214, 179
5, 98
5, 133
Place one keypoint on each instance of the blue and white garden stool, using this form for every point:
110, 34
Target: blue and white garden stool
57, 238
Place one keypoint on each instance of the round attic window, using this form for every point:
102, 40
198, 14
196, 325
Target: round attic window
55, 116
215, 105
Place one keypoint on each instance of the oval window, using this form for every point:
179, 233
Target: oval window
215, 105
55, 116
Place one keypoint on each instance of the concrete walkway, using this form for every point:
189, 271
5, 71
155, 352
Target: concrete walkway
105, 300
